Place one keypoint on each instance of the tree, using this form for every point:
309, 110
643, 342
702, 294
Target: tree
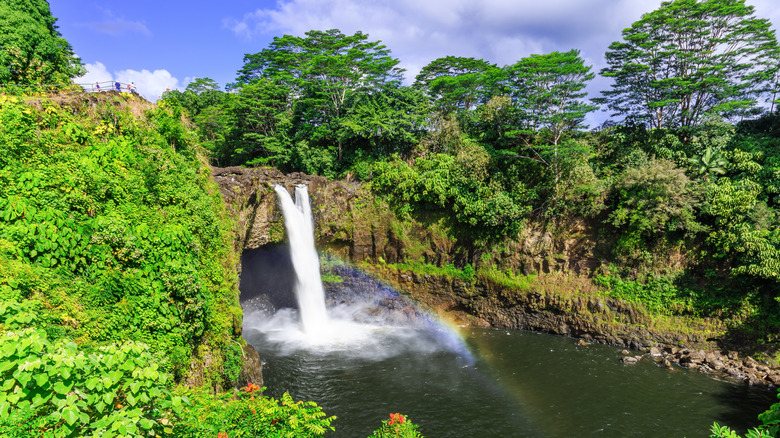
202, 85
32, 50
259, 125
549, 90
691, 58
200, 94
458, 83
391, 121
324, 69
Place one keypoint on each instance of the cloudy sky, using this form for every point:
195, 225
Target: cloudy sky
167, 43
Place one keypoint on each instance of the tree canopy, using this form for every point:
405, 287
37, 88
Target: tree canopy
322, 70
691, 58
549, 90
32, 50
458, 83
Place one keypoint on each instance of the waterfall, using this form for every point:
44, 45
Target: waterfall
300, 232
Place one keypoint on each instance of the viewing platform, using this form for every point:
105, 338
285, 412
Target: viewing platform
54, 89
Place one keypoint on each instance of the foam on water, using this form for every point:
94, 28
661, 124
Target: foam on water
351, 329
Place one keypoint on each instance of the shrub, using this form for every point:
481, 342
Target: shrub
396, 427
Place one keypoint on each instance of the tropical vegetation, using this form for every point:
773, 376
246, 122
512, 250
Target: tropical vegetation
116, 272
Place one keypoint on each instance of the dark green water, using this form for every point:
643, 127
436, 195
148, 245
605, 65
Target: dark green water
502, 384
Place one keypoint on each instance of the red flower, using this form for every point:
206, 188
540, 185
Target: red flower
253, 411
222, 435
250, 388
396, 418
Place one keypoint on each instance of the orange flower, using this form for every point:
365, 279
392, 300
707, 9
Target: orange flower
222, 435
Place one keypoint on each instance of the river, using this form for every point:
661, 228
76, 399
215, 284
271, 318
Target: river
499, 383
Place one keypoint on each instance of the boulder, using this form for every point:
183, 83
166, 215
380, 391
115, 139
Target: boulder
691, 358
713, 360
630, 360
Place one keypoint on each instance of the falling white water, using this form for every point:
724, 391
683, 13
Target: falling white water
300, 233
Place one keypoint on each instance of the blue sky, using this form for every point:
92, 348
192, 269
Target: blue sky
167, 43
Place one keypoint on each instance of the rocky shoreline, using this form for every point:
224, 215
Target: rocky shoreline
725, 365
593, 319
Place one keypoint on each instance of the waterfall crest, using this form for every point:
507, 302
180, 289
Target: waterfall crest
299, 224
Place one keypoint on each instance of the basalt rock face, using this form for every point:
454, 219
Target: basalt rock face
593, 318
590, 318
349, 222
250, 199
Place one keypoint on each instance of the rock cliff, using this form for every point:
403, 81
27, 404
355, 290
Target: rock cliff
355, 226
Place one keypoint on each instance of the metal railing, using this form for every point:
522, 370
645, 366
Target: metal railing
47, 90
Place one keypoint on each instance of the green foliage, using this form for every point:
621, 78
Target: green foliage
380, 124
659, 295
244, 414
458, 83
324, 69
505, 278
112, 223
58, 389
470, 186
55, 388
397, 426
654, 206
232, 363
259, 125
548, 90
659, 80
332, 278
450, 271
708, 163
749, 242
33, 50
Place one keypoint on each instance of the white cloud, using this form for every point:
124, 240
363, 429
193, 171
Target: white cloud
150, 84
96, 72
499, 31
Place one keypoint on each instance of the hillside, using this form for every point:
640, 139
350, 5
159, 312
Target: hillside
115, 261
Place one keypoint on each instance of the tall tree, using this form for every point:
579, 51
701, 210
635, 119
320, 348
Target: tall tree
690, 58
458, 83
391, 121
258, 125
549, 90
324, 68
32, 50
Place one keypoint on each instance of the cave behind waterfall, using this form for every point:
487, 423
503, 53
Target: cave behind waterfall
268, 270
